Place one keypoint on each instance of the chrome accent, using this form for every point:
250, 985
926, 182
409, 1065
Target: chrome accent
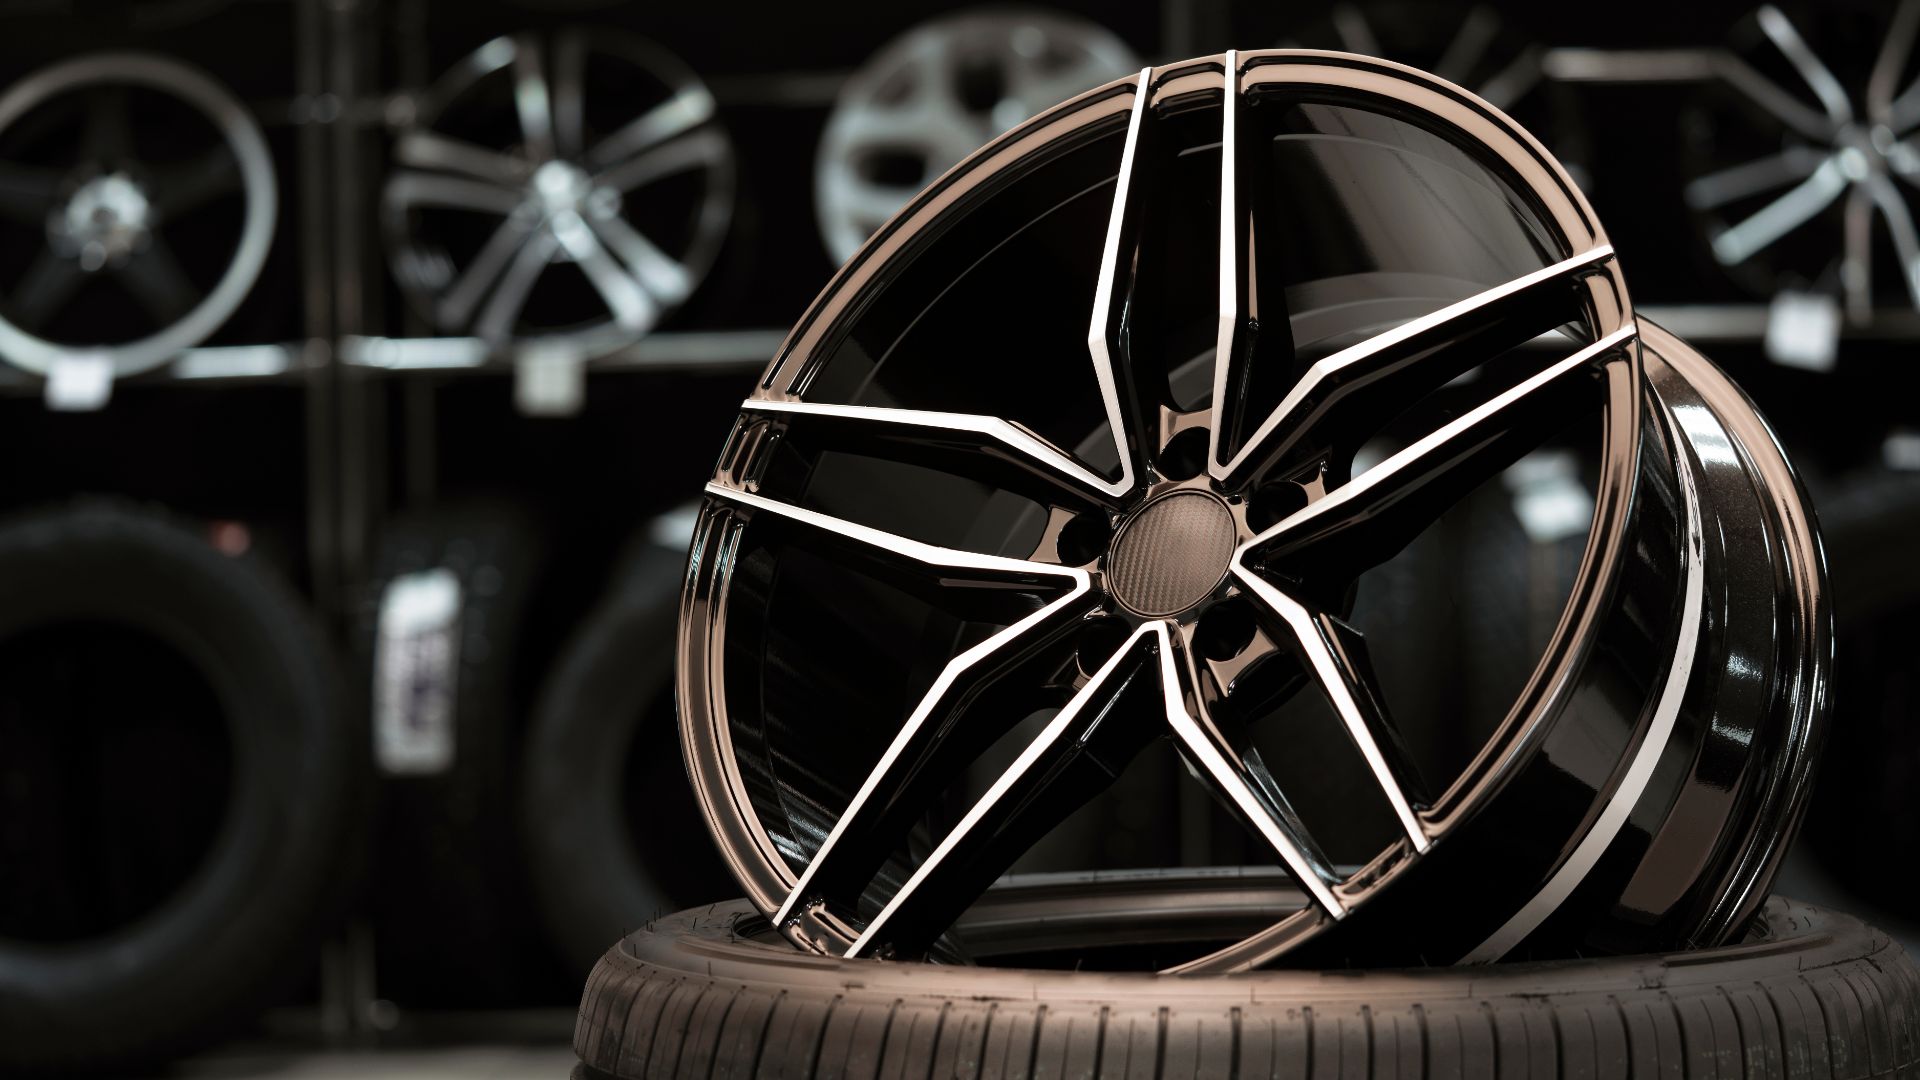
1653, 744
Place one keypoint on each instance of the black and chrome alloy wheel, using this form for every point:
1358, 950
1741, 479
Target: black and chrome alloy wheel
568, 190
1082, 458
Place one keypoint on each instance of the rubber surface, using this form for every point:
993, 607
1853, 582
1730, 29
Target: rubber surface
603, 764
712, 993
244, 925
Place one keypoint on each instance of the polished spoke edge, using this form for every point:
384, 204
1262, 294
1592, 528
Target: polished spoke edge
1031, 755
1004, 432
1100, 342
1325, 367
1231, 782
1411, 456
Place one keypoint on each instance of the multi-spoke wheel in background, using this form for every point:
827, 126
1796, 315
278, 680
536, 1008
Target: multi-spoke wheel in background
1804, 159
569, 189
139, 201
939, 93
970, 555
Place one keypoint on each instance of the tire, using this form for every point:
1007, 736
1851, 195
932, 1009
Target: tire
446, 872
714, 992
229, 658
603, 760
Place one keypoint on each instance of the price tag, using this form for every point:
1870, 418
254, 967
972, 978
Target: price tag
80, 382
416, 677
1803, 330
549, 381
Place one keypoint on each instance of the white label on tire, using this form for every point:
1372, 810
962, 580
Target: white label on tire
416, 673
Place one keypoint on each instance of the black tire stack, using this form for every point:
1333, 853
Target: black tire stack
179, 709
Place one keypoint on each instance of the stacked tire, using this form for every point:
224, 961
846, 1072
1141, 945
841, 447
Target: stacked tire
172, 712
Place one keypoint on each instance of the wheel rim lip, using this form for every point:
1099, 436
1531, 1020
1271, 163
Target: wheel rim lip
713, 213
241, 134
748, 847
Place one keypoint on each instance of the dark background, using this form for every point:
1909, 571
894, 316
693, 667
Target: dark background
330, 465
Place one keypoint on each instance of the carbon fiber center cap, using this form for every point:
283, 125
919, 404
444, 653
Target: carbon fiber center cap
1171, 555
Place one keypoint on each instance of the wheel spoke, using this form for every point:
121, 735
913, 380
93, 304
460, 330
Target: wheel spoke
1717, 189
1253, 352
159, 282
985, 448
408, 190
531, 100
1397, 367
1809, 123
1135, 427
1741, 242
48, 284
956, 567
434, 151
1906, 244
680, 114
662, 276
457, 305
1355, 34
1833, 97
569, 93
1078, 753
1469, 46
633, 308
1362, 523
1891, 62
503, 309
696, 150
106, 138
191, 186
932, 743
27, 194
1241, 782
1334, 654
1856, 258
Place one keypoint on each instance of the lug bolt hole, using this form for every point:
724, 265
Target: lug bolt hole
1225, 630
1083, 538
1185, 455
1271, 504
1099, 639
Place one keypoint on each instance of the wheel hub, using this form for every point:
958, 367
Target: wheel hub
1171, 555
103, 222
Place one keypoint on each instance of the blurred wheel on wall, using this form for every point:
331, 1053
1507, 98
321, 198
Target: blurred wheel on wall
614, 837
138, 201
447, 613
178, 789
938, 93
1802, 160
566, 190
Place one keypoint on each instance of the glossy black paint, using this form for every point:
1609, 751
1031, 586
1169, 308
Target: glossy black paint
1636, 796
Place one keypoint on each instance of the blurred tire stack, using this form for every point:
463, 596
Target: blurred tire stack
358, 357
